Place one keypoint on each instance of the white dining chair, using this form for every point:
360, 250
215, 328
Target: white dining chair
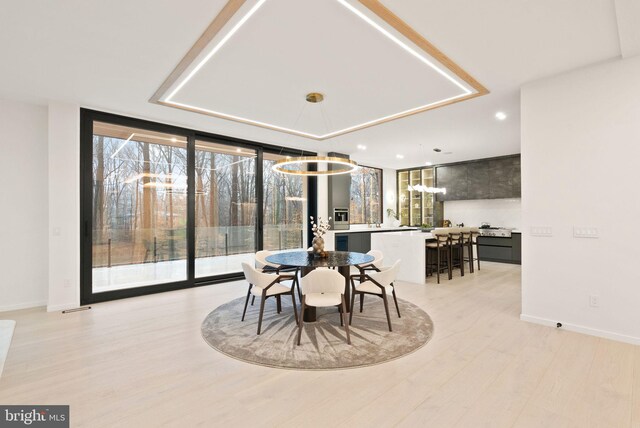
267, 267
265, 285
378, 257
262, 263
323, 288
377, 284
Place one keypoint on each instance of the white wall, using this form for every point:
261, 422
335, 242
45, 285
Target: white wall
580, 157
389, 191
64, 206
23, 212
496, 212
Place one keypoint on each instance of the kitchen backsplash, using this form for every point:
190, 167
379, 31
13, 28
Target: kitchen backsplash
497, 212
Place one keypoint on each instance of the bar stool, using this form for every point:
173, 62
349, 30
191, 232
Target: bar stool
441, 248
467, 243
475, 232
456, 247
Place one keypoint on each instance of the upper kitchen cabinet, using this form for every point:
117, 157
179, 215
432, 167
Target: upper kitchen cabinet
416, 206
454, 178
493, 178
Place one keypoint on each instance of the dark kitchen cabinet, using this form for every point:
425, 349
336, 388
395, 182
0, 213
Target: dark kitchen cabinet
477, 179
500, 249
494, 178
360, 242
455, 179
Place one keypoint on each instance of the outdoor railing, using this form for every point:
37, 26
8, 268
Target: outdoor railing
127, 247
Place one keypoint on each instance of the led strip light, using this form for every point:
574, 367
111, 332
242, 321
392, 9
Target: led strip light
182, 81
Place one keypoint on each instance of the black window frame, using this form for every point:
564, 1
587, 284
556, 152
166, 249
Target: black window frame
87, 118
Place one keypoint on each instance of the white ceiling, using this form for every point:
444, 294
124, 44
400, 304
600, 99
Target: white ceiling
272, 75
113, 55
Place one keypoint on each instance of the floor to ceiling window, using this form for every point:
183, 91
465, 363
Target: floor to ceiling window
139, 207
166, 208
285, 207
225, 200
366, 199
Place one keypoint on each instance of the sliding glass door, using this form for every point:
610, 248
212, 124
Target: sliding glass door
165, 208
139, 208
285, 207
225, 210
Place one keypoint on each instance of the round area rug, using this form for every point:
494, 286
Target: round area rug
323, 345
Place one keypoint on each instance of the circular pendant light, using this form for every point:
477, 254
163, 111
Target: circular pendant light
335, 166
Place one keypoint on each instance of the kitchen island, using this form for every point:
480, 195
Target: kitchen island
407, 246
357, 239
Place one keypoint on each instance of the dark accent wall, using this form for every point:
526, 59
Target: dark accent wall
493, 178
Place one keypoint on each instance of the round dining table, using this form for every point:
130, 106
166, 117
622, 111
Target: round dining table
306, 261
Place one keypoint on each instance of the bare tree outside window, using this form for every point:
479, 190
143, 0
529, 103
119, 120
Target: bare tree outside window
366, 196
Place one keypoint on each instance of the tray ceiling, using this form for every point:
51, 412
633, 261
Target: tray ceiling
258, 59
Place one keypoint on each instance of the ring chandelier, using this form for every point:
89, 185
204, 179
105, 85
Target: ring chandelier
340, 165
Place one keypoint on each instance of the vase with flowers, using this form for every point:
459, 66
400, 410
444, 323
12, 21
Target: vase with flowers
319, 229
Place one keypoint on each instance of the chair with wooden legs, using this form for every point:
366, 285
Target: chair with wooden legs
441, 248
265, 285
467, 244
368, 267
475, 232
456, 248
377, 284
267, 267
323, 288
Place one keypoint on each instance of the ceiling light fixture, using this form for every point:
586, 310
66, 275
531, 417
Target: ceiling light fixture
335, 165
314, 97
501, 115
400, 156
428, 163
434, 59
361, 147
344, 166
424, 189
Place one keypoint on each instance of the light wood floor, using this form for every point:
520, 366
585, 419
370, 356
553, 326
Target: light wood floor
142, 363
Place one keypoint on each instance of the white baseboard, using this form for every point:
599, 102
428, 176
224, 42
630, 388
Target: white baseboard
582, 329
27, 305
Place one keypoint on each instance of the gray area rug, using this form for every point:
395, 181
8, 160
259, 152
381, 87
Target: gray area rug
323, 345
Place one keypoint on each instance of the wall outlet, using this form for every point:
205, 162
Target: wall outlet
543, 231
585, 232
594, 301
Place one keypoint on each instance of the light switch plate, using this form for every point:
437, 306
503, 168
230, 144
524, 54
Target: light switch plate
585, 232
543, 231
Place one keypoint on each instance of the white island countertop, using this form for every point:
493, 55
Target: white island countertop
372, 229
408, 247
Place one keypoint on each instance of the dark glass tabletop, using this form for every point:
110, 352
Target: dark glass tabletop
306, 259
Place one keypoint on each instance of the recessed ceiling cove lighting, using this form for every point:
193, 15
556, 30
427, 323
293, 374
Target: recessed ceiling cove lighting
400, 156
501, 115
237, 14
